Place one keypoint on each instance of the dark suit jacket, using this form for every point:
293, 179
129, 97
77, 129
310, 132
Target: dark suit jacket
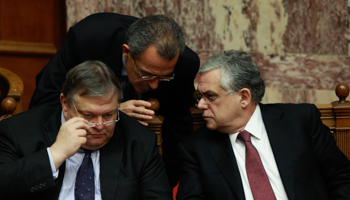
100, 37
309, 162
130, 165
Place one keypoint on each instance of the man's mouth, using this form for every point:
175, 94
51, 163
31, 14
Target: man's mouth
206, 117
96, 135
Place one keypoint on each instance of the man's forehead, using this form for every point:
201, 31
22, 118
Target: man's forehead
153, 63
98, 100
209, 80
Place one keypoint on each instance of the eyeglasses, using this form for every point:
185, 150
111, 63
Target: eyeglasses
151, 77
209, 98
103, 123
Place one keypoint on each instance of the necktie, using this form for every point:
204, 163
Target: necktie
84, 183
258, 180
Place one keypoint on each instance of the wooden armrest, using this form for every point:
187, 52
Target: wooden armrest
15, 83
8, 106
13, 98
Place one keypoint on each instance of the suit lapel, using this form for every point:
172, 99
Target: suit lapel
221, 152
281, 141
110, 162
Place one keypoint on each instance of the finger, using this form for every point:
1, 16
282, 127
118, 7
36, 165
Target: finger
75, 120
82, 140
143, 123
81, 132
144, 111
142, 103
80, 124
140, 116
85, 127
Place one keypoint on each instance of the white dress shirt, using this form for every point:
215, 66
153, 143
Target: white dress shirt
72, 165
260, 140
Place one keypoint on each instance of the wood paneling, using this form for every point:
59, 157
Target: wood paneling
30, 34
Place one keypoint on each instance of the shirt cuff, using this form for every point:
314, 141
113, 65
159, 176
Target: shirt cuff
53, 167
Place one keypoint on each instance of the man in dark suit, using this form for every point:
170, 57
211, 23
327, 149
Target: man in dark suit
148, 53
42, 149
249, 150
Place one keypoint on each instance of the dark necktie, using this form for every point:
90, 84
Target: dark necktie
84, 183
258, 180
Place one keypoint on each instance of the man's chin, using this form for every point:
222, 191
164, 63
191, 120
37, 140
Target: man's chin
94, 143
211, 126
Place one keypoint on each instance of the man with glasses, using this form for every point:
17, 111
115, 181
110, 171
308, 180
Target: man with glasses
149, 57
82, 147
249, 150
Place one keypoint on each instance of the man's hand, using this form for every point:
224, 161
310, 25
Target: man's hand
71, 136
138, 109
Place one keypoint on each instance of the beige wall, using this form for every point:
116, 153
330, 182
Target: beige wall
301, 46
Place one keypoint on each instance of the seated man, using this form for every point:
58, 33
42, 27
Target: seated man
250, 150
83, 146
150, 58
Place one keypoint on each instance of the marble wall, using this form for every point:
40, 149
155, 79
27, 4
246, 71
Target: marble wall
301, 46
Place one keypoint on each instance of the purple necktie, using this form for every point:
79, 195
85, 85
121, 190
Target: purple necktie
84, 183
258, 180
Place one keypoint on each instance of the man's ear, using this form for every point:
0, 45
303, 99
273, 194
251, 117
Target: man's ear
64, 104
246, 97
126, 51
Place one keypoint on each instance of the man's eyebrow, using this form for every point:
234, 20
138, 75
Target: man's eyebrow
148, 73
145, 72
208, 92
87, 111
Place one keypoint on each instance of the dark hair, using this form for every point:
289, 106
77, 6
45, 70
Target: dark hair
93, 78
158, 30
237, 71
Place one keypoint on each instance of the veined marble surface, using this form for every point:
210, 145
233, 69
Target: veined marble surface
302, 47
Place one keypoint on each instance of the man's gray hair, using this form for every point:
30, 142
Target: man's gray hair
158, 30
92, 78
237, 71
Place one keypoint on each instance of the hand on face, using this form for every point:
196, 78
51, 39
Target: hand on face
138, 109
71, 136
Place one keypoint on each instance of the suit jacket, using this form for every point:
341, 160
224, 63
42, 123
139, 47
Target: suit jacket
130, 165
100, 37
309, 162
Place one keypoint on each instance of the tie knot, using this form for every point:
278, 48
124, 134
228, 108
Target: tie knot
244, 136
87, 152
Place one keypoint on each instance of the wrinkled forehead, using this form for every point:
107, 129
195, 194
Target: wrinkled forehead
209, 80
111, 98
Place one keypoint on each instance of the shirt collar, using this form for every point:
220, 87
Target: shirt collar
62, 118
255, 124
124, 73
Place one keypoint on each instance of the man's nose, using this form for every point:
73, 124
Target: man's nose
154, 83
99, 121
202, 104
